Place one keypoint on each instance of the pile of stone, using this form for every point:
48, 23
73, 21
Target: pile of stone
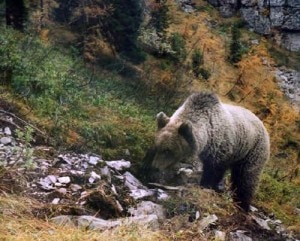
104, 194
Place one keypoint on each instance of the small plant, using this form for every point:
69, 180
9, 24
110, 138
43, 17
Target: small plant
26, 151
197, 60
205, 73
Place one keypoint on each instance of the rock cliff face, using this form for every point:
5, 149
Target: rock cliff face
267, 17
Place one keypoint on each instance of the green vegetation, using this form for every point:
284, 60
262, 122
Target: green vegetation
273, 194
197, 65
99, 113
160, 17
235, 45
197, 60
285, 58
27, 152
178, 46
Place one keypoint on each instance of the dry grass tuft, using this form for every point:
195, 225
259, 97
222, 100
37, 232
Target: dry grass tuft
17, 223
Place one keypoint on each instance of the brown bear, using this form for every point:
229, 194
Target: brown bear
220, 135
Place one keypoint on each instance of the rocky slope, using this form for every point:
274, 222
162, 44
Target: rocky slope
279, 18
84, 190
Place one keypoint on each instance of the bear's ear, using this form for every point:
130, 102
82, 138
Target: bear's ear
186, 131
162, 120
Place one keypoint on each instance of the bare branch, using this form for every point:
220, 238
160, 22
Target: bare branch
23, 121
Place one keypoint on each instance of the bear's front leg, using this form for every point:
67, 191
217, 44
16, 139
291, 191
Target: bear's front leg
212, 176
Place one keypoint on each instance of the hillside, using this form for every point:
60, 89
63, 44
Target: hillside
90, 78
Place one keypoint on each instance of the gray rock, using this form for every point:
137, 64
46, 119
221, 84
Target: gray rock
51, 179
45, 185
291, 41
64, 180
66, 158
5, 140
248, 3
289, 82
75, 187
261, 222
105, 172
276, 3
161, 195
62, 190
205, 222
148, 208
94, 177
188, 8
93, 160
293, 3
55, 201
260, 23
90, 222
150, 221
253, 209
291, 20
119, 165
137, 189
7, 131
239, 235
277, 16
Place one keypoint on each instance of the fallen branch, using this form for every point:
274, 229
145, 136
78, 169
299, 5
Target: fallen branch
10, 122
168, 188
23, 121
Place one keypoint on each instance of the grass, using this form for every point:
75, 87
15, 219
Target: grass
18, 223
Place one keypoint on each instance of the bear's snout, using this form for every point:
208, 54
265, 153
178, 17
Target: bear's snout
162, 164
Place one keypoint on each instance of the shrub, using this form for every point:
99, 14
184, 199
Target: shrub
197, 60
205, 73
178, 46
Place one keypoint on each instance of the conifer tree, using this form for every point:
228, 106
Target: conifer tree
235, 45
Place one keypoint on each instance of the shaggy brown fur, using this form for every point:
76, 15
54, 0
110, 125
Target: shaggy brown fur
222, 136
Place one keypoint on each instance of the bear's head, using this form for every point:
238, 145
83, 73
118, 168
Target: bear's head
174, 142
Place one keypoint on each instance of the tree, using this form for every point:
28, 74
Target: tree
178, 46
122, 28
197, 60
116, 21
235, 45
